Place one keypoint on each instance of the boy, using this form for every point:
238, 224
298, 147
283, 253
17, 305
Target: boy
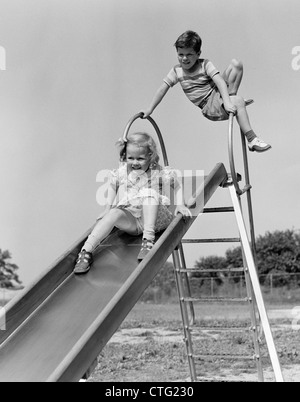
202, 83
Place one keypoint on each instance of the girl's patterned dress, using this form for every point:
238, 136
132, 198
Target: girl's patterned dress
134, 186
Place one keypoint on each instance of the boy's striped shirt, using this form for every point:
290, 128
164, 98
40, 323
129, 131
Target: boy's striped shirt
197, 85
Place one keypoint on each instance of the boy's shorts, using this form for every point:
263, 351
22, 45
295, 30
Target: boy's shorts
214, 108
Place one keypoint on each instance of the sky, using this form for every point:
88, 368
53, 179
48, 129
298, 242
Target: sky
73, 72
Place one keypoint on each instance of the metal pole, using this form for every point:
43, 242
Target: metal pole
249, 199
187, 281
185, 316
256, 287
231, 157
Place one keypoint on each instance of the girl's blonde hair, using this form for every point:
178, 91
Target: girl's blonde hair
142, 140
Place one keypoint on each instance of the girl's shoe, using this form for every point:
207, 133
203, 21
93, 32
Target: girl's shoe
83, 263
147, 245
258, 145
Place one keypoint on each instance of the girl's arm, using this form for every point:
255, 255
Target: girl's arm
179, 201
222, 87
160, 94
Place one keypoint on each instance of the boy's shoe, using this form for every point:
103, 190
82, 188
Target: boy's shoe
258, 145
248, 102
83, 263
147, 246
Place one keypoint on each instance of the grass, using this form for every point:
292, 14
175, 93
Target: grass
154, 356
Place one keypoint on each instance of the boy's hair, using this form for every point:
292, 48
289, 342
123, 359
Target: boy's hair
142, 140
189, 39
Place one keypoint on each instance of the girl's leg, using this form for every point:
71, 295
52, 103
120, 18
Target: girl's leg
233, 76
114, 218
150, 213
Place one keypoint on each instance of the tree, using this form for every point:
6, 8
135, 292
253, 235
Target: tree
165, 279
8, 276
201, 282
277, 253
210, 263
163, 285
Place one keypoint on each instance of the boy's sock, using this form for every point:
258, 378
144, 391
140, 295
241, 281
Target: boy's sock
250, 135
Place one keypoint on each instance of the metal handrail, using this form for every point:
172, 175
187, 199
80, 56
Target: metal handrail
247, 186
166, 163
159, 135
232, 163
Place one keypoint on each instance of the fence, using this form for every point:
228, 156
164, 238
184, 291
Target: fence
276, 287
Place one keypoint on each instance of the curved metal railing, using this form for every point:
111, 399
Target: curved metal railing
156, 128
166, 163
235, 179
233, 172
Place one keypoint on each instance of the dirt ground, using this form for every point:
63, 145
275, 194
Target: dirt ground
149, 346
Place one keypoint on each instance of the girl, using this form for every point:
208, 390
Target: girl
138, 198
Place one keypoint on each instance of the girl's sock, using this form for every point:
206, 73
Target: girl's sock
250, 135
91, 244
149, 232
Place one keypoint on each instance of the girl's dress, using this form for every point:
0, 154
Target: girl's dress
132, 188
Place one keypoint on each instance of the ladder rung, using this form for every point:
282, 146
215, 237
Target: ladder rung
220, 240
223, 356
203, 271
223, 329
220, 379
217, 210
215, 299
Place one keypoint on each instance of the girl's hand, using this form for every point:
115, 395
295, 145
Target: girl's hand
186, 213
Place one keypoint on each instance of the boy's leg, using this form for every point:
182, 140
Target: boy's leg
241, 114
233, 76
114, 218
254, 143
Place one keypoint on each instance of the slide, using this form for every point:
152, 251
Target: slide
56, 328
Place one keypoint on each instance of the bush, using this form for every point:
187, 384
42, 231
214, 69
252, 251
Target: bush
277, 253
9, 278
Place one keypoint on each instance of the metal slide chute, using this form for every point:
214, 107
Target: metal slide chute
56, 328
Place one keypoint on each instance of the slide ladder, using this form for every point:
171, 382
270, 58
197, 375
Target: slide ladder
254, 298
